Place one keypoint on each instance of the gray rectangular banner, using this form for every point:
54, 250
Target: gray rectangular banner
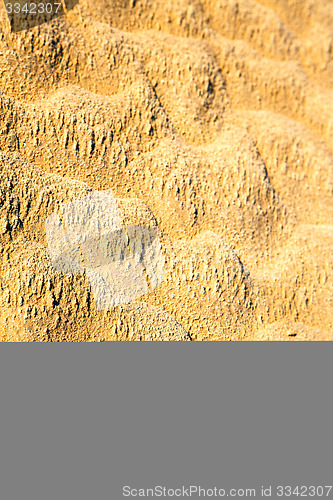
109, 421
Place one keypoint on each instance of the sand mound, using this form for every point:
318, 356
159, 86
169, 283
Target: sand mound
212, 122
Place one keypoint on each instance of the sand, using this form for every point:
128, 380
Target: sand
210, 122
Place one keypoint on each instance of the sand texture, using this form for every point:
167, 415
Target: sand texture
210, 123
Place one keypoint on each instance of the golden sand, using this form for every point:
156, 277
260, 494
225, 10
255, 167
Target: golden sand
212, 122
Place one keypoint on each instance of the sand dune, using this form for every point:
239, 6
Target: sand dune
212, 123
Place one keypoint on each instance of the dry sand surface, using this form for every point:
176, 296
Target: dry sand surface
212, 123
